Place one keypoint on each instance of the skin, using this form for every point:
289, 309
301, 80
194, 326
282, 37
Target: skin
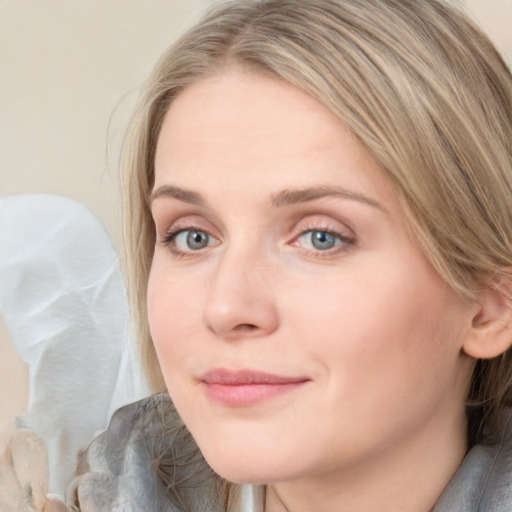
377, 335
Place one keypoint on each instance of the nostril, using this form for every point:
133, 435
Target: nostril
246, 327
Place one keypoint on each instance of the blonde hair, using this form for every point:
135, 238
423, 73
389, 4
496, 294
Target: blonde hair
420, 87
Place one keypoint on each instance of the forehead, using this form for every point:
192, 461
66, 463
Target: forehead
244, 128
260, 107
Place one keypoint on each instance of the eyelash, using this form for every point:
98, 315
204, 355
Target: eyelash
345, 241
170, 239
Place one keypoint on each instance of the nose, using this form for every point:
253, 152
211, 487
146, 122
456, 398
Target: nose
240, 302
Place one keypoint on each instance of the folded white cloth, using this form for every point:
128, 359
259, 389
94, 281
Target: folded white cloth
64, 302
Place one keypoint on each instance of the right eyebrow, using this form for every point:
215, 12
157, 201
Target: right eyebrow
296, 196
173, 192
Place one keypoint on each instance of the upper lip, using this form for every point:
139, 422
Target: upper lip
246, 377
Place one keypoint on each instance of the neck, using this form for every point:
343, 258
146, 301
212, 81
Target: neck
408, 478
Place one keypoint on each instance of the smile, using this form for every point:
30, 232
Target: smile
247, 387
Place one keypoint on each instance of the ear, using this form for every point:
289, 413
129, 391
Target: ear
491, 329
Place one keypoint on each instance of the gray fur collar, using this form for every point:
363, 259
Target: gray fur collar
483, 483
148, 461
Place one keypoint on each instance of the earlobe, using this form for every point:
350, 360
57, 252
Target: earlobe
491, 330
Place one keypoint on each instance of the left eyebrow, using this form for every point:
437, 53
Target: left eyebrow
291, 197
181, 194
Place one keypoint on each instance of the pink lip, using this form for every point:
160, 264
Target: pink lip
246, 387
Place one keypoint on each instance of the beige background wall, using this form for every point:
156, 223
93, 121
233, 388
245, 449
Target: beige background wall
495, 16
68, 72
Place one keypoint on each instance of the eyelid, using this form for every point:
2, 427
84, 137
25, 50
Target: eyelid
321, 223
171, 237
168, 213
343, 238
168, 222
310, 223
175, 230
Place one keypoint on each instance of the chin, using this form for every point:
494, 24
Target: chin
244, 475
249, 465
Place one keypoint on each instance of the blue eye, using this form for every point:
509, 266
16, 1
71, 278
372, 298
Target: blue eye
320, 240
191, 240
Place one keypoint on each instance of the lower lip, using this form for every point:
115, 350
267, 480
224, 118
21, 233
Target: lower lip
244, 395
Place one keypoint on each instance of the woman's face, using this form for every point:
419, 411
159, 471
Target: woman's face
300, 330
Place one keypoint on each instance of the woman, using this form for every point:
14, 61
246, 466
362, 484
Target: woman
319, 211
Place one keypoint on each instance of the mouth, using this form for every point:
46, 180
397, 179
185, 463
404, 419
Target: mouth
244, 388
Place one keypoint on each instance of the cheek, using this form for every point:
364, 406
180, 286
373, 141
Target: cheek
173, 315
381, 324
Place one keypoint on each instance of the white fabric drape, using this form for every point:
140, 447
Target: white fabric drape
64, 303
